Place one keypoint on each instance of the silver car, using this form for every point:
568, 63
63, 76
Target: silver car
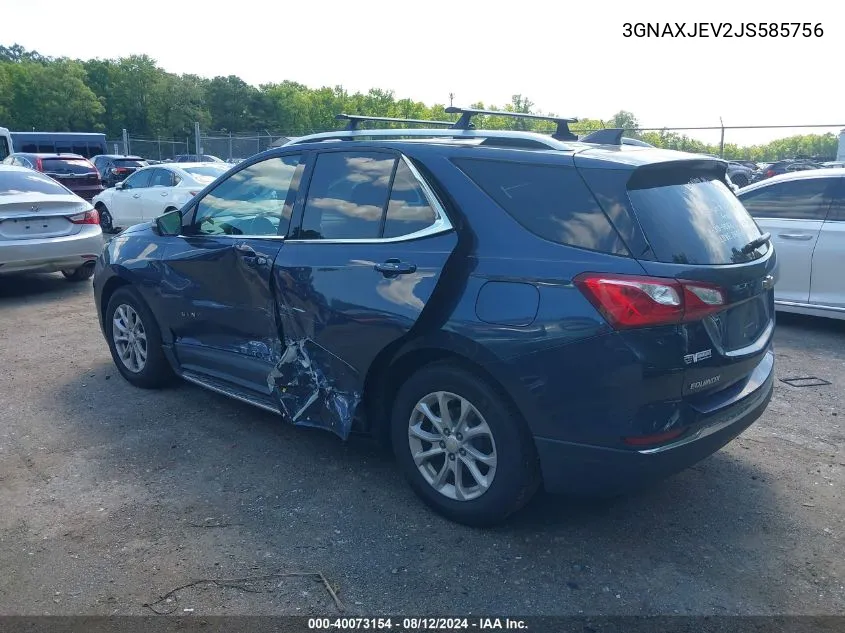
44, 227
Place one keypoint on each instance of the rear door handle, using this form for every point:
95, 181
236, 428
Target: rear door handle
795, 236
137, 195
163, 193
393, 267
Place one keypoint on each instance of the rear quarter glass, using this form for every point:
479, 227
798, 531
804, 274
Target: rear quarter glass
550, 201
689, 216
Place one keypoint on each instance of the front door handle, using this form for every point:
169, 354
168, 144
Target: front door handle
137, 195
249, 255
163, 193
393, 267
796, 236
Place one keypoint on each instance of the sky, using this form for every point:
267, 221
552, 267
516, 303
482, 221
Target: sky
566, 57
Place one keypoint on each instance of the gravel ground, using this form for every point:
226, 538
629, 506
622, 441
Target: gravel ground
112, 496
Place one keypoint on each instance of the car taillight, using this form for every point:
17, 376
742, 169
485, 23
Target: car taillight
193, 193
770, 173
39, 164
86, 217
631, 301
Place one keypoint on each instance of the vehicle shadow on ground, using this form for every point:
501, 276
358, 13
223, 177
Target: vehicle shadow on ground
38, 288
304, 498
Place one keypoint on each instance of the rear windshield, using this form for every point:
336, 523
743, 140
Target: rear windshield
76, 166
18, 182
129, 162
550, 201
692, 217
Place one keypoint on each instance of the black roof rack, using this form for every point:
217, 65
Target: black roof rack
465, 121
355, 119
607, 136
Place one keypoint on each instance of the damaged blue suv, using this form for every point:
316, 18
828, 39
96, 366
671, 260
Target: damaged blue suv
508, 309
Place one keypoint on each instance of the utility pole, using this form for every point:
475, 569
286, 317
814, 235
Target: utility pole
722, 141
125, 142
197, 138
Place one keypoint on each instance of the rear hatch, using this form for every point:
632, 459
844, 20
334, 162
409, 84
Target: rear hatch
700, 238
77, 174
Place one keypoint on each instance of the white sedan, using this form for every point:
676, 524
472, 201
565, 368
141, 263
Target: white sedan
804, 212
152, 191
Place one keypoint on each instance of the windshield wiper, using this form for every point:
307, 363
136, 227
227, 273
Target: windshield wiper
756, 243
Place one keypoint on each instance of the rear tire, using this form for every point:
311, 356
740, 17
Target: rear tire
491, 453
106, 222
82, 273
136, 351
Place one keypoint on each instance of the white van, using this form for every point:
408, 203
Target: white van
5, 143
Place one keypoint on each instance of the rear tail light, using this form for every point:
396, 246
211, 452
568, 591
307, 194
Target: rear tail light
193, 193
39, 164
629, 301
86, 217
770, 173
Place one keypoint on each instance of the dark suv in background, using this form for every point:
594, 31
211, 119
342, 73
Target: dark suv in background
507, 309
75, 172
116, 168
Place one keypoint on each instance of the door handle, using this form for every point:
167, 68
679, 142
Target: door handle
393, 267
249, 255
795, 236
137, 195
163, 193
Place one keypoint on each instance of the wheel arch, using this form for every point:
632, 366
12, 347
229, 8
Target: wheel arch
396, 364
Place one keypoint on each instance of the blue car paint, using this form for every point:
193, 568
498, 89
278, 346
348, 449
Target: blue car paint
306, 326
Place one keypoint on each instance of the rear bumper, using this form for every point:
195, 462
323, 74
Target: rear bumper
53, 254
580, 469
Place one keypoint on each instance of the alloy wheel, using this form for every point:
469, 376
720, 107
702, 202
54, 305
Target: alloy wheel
130, 338
452, 446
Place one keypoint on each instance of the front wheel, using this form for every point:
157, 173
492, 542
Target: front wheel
462, 448
135, 341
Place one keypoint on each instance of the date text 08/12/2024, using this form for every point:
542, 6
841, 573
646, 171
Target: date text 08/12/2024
407, 625
722, 29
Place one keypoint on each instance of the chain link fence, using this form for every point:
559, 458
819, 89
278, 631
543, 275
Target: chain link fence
154, 149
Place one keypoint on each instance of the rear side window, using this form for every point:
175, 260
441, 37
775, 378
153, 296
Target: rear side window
408, 210
75, 166
347, 196
805, 199
691, 217
18, 182
551, 201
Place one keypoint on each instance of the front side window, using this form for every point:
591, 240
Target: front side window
804, 199
250, 201
138, 180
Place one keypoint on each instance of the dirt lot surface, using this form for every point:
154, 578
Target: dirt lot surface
112, 496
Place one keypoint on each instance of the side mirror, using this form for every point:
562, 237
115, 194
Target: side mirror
170, 223
118, 185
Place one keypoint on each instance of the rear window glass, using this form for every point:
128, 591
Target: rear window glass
551, 201
18, 182
67, 166
692, 217
129, 162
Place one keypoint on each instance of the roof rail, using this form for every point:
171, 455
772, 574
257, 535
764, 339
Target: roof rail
465, 121
355, 119
606, 136
541, 139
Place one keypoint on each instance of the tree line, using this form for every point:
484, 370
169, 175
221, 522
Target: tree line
108, 95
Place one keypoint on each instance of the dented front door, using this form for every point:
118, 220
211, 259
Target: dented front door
367, 252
